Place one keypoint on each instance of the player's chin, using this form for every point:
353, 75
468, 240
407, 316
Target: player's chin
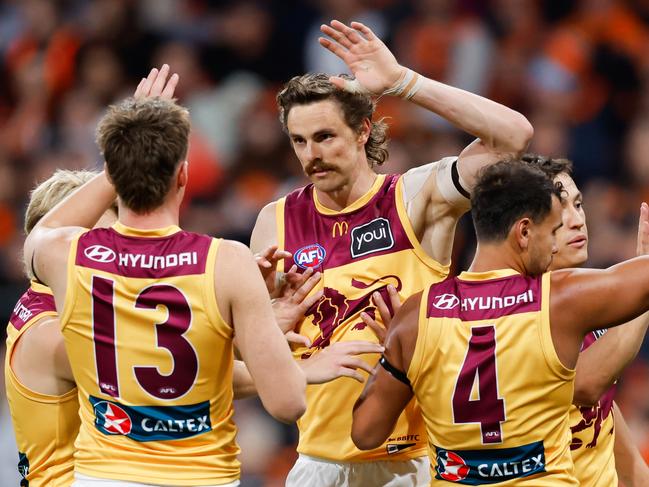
571, 257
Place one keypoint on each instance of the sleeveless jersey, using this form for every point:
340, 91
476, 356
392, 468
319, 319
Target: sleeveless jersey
45, 426
359, 250
593, 436
493, 393
152, 358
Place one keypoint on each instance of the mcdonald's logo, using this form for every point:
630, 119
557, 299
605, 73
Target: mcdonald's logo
340, 228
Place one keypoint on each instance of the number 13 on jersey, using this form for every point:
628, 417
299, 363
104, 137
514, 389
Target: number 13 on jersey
479, 368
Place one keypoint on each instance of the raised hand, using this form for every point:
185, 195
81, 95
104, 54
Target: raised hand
384, 311
156, 84
289, 308
642, 247
339, 360
371, 62
267, 261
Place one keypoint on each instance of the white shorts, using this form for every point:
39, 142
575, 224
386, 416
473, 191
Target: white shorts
316, 472
81, 480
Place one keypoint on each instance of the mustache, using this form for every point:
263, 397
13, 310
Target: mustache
318, 166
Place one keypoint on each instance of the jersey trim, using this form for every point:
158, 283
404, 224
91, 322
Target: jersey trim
279, 226
360, 202
414, 241
421, 344
148, 233
71, 288
209, 293
545, 333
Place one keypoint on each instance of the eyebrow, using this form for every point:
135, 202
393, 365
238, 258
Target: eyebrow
578, 196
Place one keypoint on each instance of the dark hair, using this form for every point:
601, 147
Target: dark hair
506, 192
356, 107
550, 166
143, 143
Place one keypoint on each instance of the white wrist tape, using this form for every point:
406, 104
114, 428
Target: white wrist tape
407, 86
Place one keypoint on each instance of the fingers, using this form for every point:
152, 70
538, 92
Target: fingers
334, 47
168, 91
351, 35
378, 329
395, 299
384, 311
159, 83
337, 36
296, 338
357, 347
303, 291
357, 364
147, 83
138, 90
366, 31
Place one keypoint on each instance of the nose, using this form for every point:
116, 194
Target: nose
575, 218
313, 152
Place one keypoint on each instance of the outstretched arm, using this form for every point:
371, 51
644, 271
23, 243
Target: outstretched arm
600, 365
384, 398
500, 131
631, 467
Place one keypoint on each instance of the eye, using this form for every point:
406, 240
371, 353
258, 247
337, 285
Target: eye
579, 205
298, 140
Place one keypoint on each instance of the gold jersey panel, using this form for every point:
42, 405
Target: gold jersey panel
359, 251
593, 436
45, 426
151, 356
493, 393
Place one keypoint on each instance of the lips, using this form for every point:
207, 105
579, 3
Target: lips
578, 241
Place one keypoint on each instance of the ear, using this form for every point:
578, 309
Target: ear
365, 130
107, 175
521, 232
183, 175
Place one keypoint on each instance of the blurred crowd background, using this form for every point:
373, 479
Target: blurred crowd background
578, 69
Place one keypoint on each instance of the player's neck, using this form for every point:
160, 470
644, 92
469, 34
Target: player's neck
161, 217
490, 257
343, 197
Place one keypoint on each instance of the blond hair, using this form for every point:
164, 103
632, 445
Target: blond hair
51, 192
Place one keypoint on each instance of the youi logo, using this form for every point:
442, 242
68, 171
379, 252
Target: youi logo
312, 255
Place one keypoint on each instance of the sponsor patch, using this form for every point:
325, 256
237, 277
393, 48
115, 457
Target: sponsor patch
151, 423
99, 253
371, 237
312, 255
483, 467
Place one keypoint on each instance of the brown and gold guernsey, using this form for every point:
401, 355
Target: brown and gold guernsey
45, 426
152, 358
593, 436
492, 390
359, 250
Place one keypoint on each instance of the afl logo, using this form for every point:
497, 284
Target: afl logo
451, 466
111, 419
446, 301
310, 256
99, 253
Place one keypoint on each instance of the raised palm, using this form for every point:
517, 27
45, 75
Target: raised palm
367, 57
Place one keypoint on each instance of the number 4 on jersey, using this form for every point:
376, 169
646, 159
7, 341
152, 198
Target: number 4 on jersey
488, 409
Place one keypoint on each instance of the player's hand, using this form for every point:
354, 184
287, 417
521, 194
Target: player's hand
157, 84
267, 261
368, 58
643, 230
295, 300
339, 360
380, 330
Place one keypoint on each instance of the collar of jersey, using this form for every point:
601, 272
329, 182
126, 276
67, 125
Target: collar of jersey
487, 275
139, 232
39, 287
356, 204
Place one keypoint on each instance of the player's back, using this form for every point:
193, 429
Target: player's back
152, 358
45, 425
493, 392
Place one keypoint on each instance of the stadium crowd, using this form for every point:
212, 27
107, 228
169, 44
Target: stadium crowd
577, 69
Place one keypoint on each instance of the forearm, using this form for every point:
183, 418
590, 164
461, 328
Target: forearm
500, 128
631, 467
601, 364
84, 207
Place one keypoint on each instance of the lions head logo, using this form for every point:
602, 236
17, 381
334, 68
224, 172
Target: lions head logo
446, 301
99, 253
